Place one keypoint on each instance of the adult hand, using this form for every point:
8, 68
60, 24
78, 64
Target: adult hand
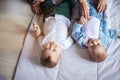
84, 8
102, 5
36, 7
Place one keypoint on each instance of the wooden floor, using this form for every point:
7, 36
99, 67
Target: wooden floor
15, 16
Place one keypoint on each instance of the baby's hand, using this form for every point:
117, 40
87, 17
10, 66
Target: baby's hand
82, 20
37, 30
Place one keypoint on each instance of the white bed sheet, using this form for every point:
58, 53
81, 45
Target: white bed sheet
75, 63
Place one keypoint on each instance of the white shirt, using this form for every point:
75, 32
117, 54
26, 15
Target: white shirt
91, 29
56, 30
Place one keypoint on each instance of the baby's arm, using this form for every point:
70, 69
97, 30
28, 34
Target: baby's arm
37, 31
67, 43
78, 33
38, 34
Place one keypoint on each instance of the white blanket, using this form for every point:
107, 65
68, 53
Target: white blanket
75, 63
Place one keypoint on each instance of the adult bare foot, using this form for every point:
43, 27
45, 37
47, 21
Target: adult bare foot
37, 30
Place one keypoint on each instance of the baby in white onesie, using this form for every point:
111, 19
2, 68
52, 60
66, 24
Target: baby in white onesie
54, 39
57, 15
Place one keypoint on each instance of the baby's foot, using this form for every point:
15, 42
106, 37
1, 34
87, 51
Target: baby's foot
37, 30
118, 34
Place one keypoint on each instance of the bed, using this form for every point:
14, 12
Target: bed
75, 63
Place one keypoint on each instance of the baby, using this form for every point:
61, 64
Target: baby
55, 36
50, 52
92, 33
86, 33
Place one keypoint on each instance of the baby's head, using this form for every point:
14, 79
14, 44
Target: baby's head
50, 55
97, 50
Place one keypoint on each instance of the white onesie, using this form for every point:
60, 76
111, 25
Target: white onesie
56, 30
91, 29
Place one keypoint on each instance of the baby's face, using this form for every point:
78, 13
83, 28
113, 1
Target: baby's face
92, 43
96, 49
52, 50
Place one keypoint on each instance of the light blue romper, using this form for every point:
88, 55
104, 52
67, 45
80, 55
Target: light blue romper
105, 35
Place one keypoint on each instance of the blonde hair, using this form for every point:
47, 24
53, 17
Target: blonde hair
46, 61
98, 55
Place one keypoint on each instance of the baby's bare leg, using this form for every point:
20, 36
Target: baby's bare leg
37, 30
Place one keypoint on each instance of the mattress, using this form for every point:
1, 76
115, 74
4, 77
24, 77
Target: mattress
75, 63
